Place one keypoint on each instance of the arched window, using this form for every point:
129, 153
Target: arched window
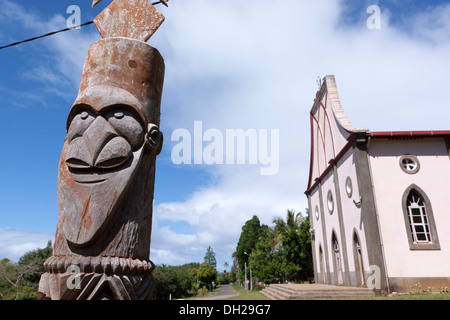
419, 220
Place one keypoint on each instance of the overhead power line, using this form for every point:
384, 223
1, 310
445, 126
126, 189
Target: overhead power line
55, 32
45, 35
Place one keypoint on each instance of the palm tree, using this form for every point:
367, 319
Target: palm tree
225, 266
292, 239
282, 228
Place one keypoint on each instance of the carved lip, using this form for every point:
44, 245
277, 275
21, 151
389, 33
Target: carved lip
87, 181
97, 176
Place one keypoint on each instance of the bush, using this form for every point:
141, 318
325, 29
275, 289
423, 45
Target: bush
203, 291
176, 282
258, 286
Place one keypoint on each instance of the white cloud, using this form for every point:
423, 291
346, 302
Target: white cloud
14, 243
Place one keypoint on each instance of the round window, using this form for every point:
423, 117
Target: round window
330, 202
409, 164
317, 212
349, 187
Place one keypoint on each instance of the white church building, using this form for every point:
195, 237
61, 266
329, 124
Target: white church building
379, 202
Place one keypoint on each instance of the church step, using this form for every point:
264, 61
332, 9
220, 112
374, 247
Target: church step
286, 292
272, 294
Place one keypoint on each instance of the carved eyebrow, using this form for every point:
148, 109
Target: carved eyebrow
123, 107
76, 109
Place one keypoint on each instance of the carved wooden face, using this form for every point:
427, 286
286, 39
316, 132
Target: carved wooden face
101, 154
110, 128
103, 141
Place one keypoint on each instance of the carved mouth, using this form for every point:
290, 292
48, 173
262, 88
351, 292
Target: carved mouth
112, 152
96, 175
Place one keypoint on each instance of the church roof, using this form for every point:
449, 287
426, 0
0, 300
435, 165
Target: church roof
332, 133
331, 130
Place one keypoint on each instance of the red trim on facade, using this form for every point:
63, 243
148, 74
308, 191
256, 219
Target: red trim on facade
389, 134
320, 130
311, 160
324, 106
322, 138
339, 156
379, 134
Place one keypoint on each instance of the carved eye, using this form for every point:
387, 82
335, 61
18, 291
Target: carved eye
84, 115
128, 126
118, 115
80, 123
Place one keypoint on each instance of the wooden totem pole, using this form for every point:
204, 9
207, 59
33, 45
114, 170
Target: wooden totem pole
107, 167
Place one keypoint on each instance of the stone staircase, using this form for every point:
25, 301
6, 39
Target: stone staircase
313, 291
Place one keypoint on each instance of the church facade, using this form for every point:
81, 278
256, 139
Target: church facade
379, 202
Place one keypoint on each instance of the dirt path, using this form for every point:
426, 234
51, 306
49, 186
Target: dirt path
226, 291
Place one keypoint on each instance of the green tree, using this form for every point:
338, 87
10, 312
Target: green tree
262, 260
283, 228
36, 258
269, 265
283, 252
8, 287
206, 273
250, 234
292, 236
306, 259
20, 281
174, 281
210, 257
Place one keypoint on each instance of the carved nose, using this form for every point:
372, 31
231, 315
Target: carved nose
99, 147
97, 136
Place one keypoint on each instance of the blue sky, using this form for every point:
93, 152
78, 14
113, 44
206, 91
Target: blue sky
230, 64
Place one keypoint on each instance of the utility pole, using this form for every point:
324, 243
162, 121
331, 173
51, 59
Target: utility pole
251, 280
245, 275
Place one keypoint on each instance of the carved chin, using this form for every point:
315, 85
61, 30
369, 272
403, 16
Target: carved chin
88, 200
